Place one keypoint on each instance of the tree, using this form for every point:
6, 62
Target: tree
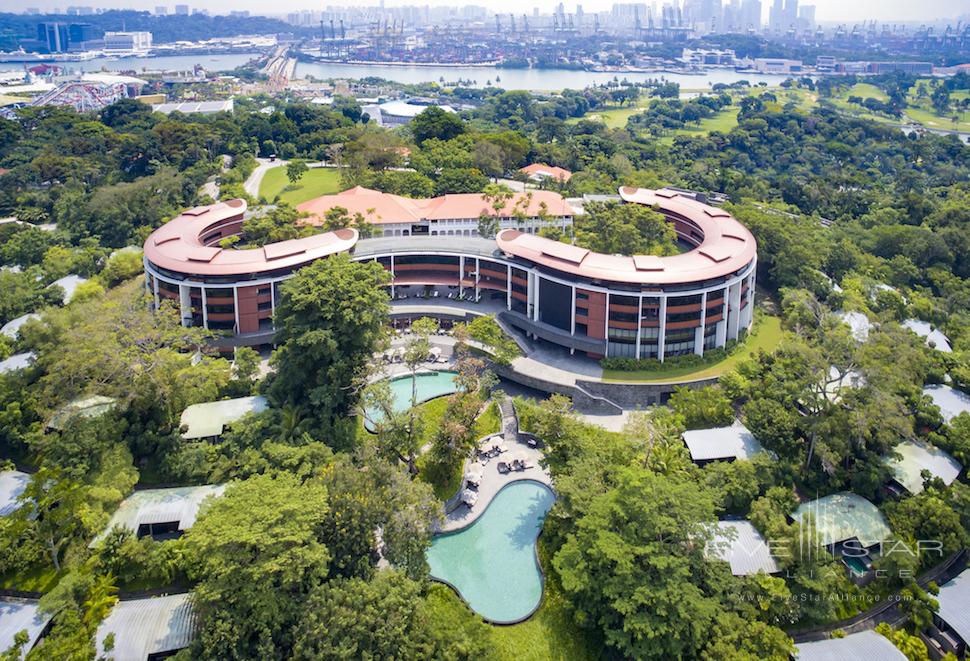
295, 170
329, 320
627, 229
435, 122
635, 568
256, 554
702, 407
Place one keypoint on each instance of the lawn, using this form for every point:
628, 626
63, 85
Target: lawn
432, 413
40, 579
766, 335
722, 121
316, 182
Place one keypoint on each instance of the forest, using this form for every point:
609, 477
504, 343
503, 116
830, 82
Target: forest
850, 216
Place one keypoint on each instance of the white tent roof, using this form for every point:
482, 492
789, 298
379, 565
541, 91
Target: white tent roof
859, 323
867, 645
12, 484
12, 327
734, 442
69, 284
152, 506
932, 335
18, 615
845, 515
210, 418
143, 627
18, 361
915, 457
952, 402
954, 600
741, 545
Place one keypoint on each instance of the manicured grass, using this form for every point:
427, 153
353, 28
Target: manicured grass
40, 579
867, 91
432, 414
766, 335
926, 115
722, 121
314, 183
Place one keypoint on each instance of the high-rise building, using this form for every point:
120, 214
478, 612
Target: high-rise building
181, 10
82, 36
751, 15
161, 10
806, 17
53, 36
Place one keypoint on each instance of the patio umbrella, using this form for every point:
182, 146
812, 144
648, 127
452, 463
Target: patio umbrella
469, 497
474, 474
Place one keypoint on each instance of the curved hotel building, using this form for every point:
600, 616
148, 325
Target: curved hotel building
601, 305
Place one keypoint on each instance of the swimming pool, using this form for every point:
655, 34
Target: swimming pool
430, 385
492, 563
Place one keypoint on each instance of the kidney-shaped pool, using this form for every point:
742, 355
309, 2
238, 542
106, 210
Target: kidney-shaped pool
492, 563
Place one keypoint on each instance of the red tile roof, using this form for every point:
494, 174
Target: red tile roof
548, 171
386, 208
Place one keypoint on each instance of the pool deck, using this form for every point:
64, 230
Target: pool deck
492, 480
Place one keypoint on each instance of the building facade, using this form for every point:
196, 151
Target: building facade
638, 306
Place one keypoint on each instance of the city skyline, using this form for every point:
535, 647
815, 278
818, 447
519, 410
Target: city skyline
826, 11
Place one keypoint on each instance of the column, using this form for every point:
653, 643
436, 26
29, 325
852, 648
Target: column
155, 283
662, 334
205, 309
639, 323
235, 306
392, 277
478, 275
508, 287
606, 327
699, 335
535, 286
185, 304
572, 313
734, 310
461, 275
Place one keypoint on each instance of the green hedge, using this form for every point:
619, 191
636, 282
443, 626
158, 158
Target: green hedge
674, 362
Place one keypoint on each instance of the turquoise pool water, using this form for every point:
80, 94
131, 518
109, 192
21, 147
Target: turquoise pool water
492, 562
430, 385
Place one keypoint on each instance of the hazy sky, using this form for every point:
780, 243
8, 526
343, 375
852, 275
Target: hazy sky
826, 10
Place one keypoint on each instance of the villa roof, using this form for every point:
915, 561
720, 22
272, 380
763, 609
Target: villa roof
69, 283
177, 245
12, 484
153, 506
388, 209
863, 645
954, 600
88, 407
18, 615
12, 327
952, 402
210, 418
726, 247
734, 442
858, 323
145, 627
932, 335
741, 545
842, 516
916, 457
18, 361
547, 171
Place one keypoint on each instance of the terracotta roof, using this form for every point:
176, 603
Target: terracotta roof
177, 245
386, 208
548, 171
726, 248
